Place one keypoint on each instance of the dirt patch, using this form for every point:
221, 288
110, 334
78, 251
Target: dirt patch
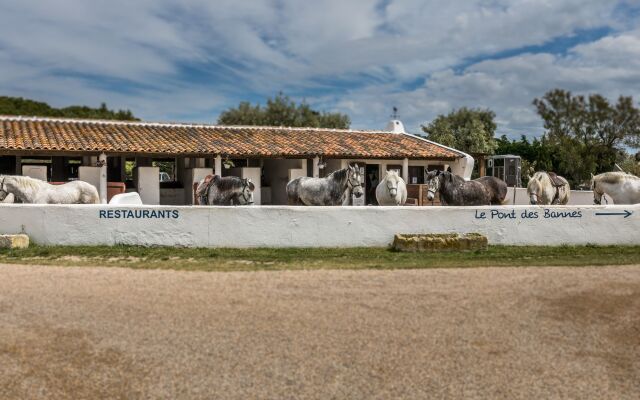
49, 362
500, 333
612, 310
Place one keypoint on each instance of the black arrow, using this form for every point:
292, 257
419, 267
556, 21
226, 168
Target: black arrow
626, 213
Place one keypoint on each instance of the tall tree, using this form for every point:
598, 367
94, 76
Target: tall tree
587, 134
26, 107
282, 111
469, 130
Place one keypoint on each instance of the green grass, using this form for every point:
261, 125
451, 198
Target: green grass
316, 258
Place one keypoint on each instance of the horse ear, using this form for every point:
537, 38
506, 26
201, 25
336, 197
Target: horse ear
592, 175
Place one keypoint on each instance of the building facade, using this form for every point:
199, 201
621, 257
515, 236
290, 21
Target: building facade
162, 161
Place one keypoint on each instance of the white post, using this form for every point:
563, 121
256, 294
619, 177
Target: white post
218, 166
303, 166
316, 169
405, 169
102, 190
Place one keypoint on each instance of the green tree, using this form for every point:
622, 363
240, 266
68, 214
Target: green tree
26, 107
587, 134
469, 130
282, 111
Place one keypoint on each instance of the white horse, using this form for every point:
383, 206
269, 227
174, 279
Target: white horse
391, 191
548, 188
29, 190
622, 187
334, 190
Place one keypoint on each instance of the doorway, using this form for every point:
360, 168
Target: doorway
372, 178
416, 175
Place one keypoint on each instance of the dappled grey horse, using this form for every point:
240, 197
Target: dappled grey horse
496, 187
226, 191
455, 191
334, 190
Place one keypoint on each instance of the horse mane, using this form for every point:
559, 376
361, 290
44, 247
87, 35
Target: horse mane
339, 175
392, 175
26, 182
455, 178
614, 177
229, 183
539, 174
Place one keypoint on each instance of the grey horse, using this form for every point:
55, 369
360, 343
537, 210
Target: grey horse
225, 191
496, 187
334, 190
455, 191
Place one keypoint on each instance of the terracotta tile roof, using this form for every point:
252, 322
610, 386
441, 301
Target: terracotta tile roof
92, 136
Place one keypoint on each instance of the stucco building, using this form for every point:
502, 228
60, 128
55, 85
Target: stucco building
106, 153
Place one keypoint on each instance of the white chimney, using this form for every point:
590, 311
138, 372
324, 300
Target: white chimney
395, 126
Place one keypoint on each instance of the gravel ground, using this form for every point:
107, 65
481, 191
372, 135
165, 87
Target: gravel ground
91, 333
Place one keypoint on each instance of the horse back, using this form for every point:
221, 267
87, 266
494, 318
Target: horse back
496, 187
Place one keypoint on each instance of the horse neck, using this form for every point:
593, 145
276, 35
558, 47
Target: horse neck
340, 178
446, 187
446, 182
613, 190
23, 187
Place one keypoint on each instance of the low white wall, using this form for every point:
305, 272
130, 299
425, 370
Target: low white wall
282, 226
576, 197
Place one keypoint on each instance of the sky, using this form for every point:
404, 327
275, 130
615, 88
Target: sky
190, 60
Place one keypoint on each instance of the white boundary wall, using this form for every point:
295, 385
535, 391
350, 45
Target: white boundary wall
283, 226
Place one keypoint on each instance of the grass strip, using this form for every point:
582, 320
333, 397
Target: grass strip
206, 259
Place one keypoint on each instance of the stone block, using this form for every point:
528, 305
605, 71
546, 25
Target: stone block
436, 242
20, 241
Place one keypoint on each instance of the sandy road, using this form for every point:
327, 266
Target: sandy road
89, 333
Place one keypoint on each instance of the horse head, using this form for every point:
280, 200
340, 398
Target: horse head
354, 180
391, 181
534, 190
246, 192
434, 179
597, 194
3, 191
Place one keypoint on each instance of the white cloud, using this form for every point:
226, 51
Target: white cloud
134, 54
508, 86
